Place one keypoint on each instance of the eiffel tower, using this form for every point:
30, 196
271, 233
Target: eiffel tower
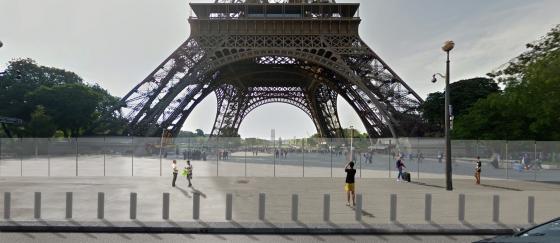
306, 53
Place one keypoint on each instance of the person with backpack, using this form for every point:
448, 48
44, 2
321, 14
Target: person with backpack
350, 187
187, 172
400, 165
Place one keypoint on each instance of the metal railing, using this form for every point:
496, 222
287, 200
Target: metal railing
374, 158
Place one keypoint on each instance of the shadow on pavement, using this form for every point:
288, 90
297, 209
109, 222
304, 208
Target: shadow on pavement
78, 224
435, 225
185, 192
179, 227
402, 226
112, 225
501, 187
426, 184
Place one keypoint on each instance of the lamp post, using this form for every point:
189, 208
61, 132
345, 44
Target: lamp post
447, 47
351, 143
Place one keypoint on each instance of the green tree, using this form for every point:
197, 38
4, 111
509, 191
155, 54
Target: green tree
527, 109
199, 133
73, 106
464, 94
41, 125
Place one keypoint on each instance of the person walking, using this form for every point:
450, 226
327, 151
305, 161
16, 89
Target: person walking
188, 171
400, 165
350, 187
478, 169
175, 171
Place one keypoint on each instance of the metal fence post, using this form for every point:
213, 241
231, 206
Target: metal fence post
393, 212
48, 157
100, 205
330, 150
104, 163
132, 157
461, 213
534, 170
295, 199
262, 204
69, 205
21, 157
77, 152
303, 157
7, 204
496, 208
196, 206
165, 208
37, 207
359, 207
531, 210
507, 161
428, 207
133, 204
390, 152
229, 206
326, 207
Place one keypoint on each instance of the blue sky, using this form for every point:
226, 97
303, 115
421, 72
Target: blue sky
117, 43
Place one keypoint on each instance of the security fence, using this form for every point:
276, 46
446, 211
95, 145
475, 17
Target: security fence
374, 158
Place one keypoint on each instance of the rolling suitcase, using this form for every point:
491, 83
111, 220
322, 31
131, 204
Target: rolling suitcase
406, 176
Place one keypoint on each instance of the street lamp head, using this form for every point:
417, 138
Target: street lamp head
1, 44
448, 46
434, 79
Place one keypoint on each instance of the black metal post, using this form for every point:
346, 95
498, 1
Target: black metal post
448, 169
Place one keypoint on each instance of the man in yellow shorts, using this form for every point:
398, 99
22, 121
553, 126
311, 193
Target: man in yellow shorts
349, 186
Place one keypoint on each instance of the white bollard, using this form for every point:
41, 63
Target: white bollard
358, 207
428, 208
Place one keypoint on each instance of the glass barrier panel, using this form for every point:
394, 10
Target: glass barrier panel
521, 156
432, 160
63, 156
289, 162
118, 156
91, 161
232, 163
547, 165
145, 157
10, 157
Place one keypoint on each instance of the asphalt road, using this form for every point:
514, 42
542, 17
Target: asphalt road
105, 238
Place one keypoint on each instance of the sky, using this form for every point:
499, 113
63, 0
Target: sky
117, 43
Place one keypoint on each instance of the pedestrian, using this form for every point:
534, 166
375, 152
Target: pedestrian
478, 169
175, 171
350, 187
188, 172
400, 165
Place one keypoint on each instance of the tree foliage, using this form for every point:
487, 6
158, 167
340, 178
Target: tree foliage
528, 107
464, 94
41, 95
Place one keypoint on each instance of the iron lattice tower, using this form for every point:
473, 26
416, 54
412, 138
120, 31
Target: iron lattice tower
250, 53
